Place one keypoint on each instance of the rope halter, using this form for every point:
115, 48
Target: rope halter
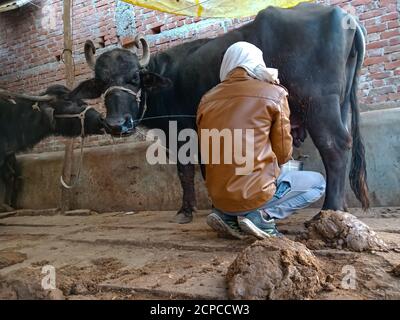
137, 95
81, 116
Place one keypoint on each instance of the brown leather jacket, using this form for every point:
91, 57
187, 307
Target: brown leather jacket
241, 102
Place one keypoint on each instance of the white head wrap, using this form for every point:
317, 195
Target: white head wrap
249, 57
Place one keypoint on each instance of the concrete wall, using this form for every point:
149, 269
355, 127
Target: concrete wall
113, 178
119, 178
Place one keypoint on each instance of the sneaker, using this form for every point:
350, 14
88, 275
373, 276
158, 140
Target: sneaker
183, 217
259, 224
226, 226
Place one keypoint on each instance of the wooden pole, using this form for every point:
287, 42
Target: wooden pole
69, 79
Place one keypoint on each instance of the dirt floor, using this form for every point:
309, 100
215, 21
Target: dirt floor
142, 255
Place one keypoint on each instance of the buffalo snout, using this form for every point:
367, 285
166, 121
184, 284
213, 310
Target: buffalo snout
120, 126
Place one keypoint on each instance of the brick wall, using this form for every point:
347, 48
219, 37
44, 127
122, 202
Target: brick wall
31, 44
380, 80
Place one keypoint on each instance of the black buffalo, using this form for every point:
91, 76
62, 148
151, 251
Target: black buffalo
26, 120
318, 50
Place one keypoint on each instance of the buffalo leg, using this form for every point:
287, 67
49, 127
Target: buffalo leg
4, 206
2, 187
203, 171
16, 180
10, 178
186, 176
333, 141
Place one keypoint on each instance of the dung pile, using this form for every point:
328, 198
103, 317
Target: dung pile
275, 268
9, 258
342, 230
25, 284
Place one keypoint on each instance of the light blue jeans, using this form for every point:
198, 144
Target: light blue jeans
295, 190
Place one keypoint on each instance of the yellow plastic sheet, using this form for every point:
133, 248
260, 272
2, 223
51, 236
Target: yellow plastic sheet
214, 8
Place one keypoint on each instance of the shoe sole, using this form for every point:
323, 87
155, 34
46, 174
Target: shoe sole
218, 225
250, 228
182, 218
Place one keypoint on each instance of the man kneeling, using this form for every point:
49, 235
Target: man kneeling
250, 98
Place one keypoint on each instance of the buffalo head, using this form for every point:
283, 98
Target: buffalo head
64, 112
124, 81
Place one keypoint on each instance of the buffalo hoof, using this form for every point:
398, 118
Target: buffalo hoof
183, 217
5, 208
308, 223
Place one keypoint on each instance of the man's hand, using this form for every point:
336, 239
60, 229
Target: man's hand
298, 129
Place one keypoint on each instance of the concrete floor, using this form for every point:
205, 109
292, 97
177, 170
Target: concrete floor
140, 255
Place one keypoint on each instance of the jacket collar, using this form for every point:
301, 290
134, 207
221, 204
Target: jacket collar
238, 74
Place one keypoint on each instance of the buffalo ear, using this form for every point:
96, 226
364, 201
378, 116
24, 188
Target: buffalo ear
152, 80
89, 89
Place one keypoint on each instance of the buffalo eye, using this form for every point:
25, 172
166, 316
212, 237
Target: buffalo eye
135, 79
150, 80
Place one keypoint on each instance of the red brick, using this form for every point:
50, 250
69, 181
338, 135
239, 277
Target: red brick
380, 98
356, 2
384, 90
380, 75
394, 41
332, 2
393, 24
127, 41
392, 81
378, 84
390, 16
390, 49
371, 14
375, 52
370, 22
392, 65
376, 28
390, 33
387, 2
375, 60
394, 96
377, 44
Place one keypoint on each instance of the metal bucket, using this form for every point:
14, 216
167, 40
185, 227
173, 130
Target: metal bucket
292, 165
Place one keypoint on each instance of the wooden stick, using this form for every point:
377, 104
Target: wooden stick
69, 78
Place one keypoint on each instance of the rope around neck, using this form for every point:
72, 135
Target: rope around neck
82, 117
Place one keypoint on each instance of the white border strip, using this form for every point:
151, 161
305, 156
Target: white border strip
13, 4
